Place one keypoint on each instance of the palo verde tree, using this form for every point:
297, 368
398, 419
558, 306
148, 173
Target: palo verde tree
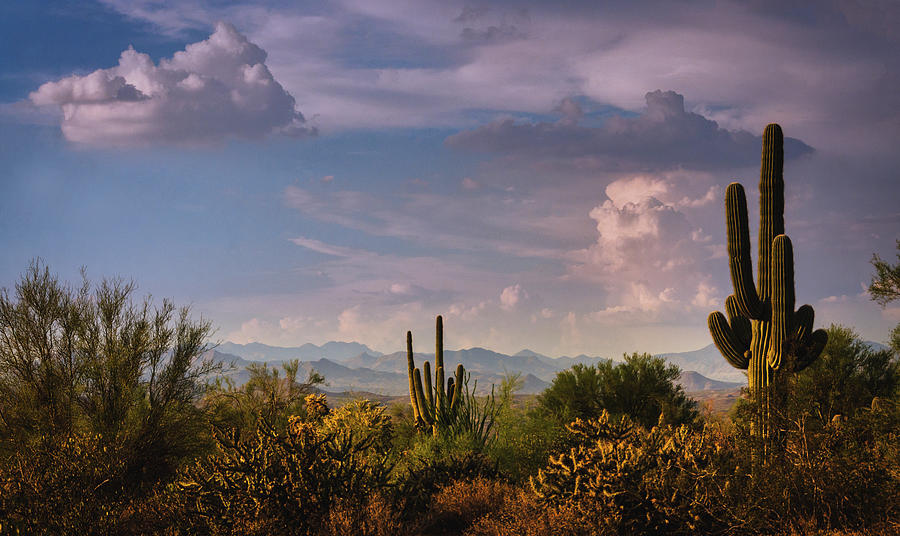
643, 387
885, 288
90, 362
763, 333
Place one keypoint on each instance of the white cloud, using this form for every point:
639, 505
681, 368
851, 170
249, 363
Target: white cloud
212, 90
707, 296
511, 296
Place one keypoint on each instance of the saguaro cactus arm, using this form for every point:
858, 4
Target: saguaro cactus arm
782, 300
424, 408
739, 323
458, 385
429, 390
810, 349
729, 345
411, 365
439, 358
771, 204
739, 262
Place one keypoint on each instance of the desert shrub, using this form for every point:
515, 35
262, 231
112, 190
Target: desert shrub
625, 480
842, 476
98, 400
363, 419
272, 394
423, 476
66, 489
643, 388
278, 481
523, 514
376, 516
524, 438
459, 504
844, 379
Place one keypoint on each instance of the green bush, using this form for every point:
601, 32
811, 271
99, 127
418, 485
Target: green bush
625, 480
277, 481
643, 388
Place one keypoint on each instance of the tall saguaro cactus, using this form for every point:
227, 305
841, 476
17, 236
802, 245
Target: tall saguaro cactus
433, 404
763, 333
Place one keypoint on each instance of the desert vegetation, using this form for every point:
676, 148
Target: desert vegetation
112, 423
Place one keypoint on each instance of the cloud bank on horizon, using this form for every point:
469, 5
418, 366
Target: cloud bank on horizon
545, 175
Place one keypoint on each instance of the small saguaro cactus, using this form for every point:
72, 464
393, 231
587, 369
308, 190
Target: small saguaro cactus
763, 333
433, 404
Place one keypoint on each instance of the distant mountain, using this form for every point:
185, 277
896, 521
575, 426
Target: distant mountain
694, 381
335, 351
356, 367
708, 362
876, 346
478, 361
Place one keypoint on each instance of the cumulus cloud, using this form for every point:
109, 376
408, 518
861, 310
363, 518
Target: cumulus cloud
212, 90
511, 296
640, 233
664, 135
637, 302
651, 258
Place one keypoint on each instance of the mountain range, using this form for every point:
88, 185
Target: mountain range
356, 367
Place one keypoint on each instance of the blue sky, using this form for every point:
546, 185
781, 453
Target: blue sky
545, 175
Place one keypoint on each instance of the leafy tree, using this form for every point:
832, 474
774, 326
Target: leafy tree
846, 377
643, 388
89, 362
885, 286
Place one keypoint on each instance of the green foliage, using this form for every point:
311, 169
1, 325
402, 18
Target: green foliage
436, 463
837, 423
523, 437
364, 420
278, 481
845, 378
763, 333
643, 388
88, 373
885, 285
69, 489
269, 394
669, 480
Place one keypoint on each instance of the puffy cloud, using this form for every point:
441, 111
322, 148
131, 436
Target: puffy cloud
211, 90
636, 303
511, 296
651, 258
664, 135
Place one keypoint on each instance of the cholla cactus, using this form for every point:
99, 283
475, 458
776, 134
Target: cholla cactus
316, 406
364, 420
763, 333
630, 481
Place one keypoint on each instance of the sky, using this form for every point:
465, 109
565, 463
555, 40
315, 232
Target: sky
545, 175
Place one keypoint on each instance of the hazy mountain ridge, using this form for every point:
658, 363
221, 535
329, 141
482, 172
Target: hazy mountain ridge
335, 351
369, 370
